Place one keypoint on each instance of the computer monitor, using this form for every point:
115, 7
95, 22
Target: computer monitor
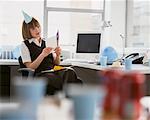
88, 45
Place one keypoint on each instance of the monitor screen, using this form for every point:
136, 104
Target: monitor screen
88, 43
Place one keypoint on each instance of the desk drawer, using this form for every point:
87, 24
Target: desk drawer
4, 91
4, 75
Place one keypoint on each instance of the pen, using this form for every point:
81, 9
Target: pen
57, 38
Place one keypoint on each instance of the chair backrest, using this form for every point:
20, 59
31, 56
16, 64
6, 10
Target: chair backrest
24, 73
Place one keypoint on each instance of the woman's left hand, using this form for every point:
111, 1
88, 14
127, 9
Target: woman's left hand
58, 51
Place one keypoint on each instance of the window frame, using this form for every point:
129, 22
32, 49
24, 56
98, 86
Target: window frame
59, 9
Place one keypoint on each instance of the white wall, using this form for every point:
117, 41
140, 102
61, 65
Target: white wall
11, 19
115, 12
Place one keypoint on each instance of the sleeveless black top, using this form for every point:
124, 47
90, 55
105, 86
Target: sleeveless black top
35, 51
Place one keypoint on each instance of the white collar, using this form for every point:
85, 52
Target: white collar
35, 41
31, 40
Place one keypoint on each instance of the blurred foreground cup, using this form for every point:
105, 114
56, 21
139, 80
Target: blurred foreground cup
32, 90
29, 93
87, 100
14, 111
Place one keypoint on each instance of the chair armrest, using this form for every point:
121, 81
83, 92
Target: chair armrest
48, 71
55, 69
29, 70
26, 69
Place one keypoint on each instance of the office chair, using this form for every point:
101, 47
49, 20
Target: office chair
26, 72
30, 73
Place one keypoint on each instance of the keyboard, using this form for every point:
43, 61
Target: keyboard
77, 60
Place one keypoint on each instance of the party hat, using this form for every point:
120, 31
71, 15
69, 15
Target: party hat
27, 18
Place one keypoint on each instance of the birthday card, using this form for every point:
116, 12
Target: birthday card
51, 42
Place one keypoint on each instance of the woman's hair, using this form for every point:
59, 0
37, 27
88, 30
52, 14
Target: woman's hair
26, 28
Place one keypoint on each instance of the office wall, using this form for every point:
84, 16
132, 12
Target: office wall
115, 12
11, 18
10, 14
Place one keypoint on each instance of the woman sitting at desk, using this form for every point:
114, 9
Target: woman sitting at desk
37, 56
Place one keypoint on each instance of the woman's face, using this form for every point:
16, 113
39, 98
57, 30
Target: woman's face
36, 32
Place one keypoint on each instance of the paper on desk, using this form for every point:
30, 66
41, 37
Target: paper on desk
51, 42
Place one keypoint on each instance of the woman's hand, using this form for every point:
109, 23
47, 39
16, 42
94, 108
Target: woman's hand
58, 51
46, 51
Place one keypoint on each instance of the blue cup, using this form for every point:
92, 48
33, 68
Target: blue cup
128, 64
86, 101
12, 113
29, 91
103, 61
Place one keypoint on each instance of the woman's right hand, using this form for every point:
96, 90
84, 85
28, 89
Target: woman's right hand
46, 51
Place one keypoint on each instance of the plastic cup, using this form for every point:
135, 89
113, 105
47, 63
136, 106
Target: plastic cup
30, 91
86, 99
128, 64
103, 61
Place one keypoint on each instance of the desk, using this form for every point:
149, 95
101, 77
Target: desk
8, 69
89, 72
138, 67
86, 71
9, 62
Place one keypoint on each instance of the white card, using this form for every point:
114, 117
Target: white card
51, 42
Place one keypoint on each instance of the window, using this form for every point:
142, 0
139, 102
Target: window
82, 4
70, 24
138, 24
71, 17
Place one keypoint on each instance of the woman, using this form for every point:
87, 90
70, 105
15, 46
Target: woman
35, 55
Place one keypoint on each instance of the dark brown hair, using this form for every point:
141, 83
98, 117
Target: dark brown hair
26, 28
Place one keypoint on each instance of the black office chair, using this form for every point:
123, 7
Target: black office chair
26, 72
30, 73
